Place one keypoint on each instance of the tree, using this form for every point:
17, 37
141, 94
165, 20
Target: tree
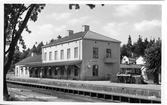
145, 43
34, 49
25, 53
16, 57
39, 48
139, 47
52, 40
14, 24
153, 59
129, 44
59, 37
124, 51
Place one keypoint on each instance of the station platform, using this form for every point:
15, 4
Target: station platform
139, 91
104, 83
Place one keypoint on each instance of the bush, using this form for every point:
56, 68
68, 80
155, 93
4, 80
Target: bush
113, 79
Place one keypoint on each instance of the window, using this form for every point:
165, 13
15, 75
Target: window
55, 55
95, 70
76, 52
75, 71
62, 72
95, 52
36, 72
108, 53
45, 56
55, 72
137, 71
45, 72
21, 70
50, 72
62, 54
17, 71
50, 56
26, 70
68, 53
69, 71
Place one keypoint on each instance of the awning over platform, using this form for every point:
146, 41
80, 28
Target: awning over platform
40, 64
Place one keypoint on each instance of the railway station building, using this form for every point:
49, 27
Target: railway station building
84, 55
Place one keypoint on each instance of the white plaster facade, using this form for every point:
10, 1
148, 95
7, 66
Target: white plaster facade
62, 46
21, 71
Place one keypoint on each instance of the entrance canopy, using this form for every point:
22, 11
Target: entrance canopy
40, 64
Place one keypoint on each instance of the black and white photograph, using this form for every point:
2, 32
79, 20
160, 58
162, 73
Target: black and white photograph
84, 52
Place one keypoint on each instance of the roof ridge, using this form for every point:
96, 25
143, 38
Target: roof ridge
67, 38
104, 36
85, 34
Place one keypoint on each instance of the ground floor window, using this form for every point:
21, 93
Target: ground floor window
62, 72
69, 71
17, 71
26, 71
50, 72
75, 71
45, 71
21, 70
36, 72
95, 70
55, 72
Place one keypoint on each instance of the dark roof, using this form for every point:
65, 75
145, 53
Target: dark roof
54, 63
130, 66
31, 59
84, 35
77, 35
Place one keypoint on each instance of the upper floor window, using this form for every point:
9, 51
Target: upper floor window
68, 53
45, 56
50, 56
62, 54
76, 52
56, 55
95, 52
95, 70
108, 53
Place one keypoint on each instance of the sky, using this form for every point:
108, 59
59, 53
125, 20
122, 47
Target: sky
117, 21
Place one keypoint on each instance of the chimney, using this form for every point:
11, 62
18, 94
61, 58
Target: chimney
69, 32
85, 28
132, 54
33, 54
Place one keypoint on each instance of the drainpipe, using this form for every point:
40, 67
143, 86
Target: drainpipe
79, 48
